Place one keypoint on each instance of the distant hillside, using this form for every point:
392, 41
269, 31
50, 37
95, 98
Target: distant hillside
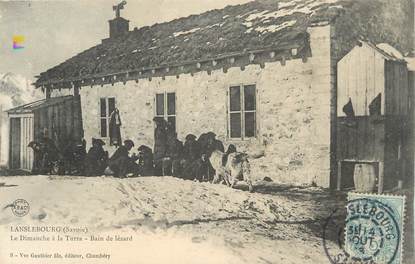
380, 21
16, 90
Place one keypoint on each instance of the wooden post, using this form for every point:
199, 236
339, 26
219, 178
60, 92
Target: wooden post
381, 177
339, 175
48, 93
76, 91
1, 119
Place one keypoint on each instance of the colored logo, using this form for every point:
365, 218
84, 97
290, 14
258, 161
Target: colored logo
18, 42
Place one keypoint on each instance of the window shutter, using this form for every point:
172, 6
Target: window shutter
155, 105
256, 112
228, 135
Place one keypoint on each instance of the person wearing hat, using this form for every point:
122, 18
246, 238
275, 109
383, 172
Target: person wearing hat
121, 163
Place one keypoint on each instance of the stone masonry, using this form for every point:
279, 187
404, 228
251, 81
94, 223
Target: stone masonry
293, 111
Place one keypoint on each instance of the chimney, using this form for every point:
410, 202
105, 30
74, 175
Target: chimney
118, 26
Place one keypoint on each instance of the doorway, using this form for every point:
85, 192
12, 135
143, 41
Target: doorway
15, 142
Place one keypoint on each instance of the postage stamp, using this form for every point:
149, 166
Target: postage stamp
374, 228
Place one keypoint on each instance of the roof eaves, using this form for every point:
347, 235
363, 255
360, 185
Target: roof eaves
157, 67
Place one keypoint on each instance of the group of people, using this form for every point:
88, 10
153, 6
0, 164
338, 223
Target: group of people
68, 158
170, 156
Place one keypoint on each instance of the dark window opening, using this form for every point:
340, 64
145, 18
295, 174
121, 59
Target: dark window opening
242, 111
166, 107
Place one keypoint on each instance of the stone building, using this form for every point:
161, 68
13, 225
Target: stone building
261, 75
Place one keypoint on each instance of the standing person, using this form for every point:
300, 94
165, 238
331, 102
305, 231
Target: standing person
160, 144
114, 128
121, 163
80, 155
68, 151
175, 153
37, 167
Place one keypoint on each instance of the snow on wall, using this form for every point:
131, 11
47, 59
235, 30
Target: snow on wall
293, 111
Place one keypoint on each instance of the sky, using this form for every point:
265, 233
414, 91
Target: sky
56, 30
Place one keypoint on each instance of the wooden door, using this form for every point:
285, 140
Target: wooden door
26, 136
15, 134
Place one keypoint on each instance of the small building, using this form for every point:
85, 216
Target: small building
375, 115
57, 118
261, 75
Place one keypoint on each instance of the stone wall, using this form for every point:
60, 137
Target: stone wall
293, 111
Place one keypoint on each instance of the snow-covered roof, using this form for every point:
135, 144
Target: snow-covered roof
387, 51
391, 51
410, 63
252, 26
30, 107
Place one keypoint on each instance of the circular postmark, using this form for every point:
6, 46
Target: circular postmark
372, 233
368, 233
20, 207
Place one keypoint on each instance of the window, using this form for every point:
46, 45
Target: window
107, 106
242, 111
166, 107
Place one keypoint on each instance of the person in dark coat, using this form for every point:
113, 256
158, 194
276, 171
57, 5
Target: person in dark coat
114, 128
80, 155
74, 153
145, 161
190, 158
199, 169
47, 158
160, 144
37, 158
203, 142
68, 150
191, 148
96, 159
213, 144
174, 155
208, 143
121, 163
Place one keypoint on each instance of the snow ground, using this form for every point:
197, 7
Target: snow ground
178, 221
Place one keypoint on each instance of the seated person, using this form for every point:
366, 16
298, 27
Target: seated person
47, 158
197, 169
231, 149
96, 158
121, 163
145, 161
